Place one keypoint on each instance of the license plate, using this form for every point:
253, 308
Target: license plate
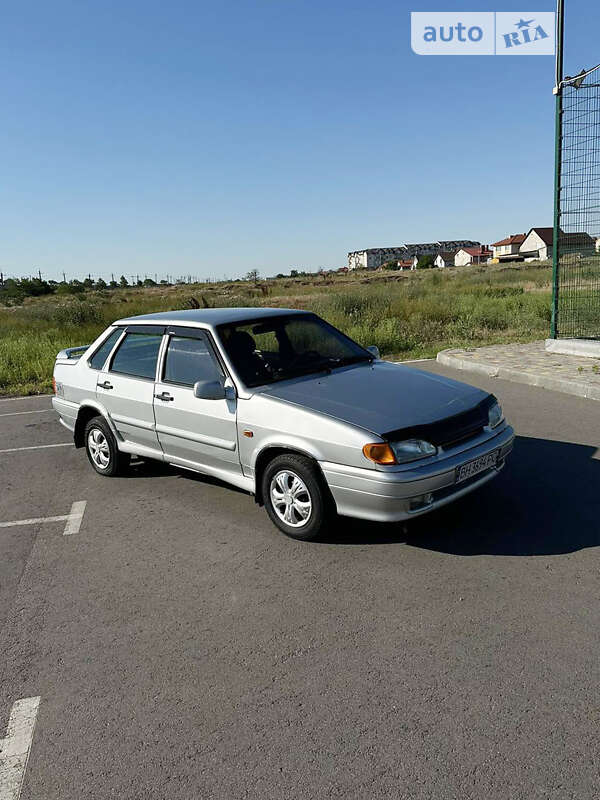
476, 466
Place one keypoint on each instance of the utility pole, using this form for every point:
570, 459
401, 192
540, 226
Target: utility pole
64, 278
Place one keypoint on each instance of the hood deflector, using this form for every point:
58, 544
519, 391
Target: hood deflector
449, 431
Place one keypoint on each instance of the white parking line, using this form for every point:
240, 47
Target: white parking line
75, 517
34, 521
73, 520
16, 413
25, 397
37, 447
15, 747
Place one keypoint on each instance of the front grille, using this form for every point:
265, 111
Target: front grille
464, 437
450, 431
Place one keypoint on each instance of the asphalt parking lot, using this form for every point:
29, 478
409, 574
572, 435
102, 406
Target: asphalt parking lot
181, 647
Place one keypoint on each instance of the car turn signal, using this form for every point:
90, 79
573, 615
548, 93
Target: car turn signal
380, 453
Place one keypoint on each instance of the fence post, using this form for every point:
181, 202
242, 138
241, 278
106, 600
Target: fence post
560, 30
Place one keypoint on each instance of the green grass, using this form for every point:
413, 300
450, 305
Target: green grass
407, 315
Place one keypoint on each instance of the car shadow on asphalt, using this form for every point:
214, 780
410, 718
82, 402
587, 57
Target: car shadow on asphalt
151, 468
546, 501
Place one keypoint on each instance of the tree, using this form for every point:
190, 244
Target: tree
100, 284
72, 287
293, 273
390, 265
253, 275
122, 282
34, 287
426, 262
11, 293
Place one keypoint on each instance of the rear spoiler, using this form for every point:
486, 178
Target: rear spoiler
72, 353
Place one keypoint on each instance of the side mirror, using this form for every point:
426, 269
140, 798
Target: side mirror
209, 390
374, 350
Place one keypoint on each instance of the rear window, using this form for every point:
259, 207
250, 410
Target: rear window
101, 354
137, 355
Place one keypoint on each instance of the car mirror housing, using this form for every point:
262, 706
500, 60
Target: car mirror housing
374, 350
209, 390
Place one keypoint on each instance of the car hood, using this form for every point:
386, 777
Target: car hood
381, 396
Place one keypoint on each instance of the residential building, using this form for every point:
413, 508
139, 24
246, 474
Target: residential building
538, 243
374, 257
508, 249
408, 263
472, 255
444, 259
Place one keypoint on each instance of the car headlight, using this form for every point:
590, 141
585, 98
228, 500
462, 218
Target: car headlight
495, 415
412, 449
398, 452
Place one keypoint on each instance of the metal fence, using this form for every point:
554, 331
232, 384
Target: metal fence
576, 308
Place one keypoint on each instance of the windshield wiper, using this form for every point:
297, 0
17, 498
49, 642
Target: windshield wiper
343, 362
319, 366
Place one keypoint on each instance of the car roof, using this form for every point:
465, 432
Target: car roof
207, 316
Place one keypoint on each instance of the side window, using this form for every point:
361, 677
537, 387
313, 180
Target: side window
137, 355
190, 360
101, 354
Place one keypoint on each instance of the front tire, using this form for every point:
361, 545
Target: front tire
101, 448
295, 496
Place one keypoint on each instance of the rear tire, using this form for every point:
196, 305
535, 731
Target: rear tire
296, 497
101, 448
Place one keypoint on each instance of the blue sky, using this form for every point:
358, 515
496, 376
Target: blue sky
214, 138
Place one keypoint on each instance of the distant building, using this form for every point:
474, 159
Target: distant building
408, 263
538, 244
374, 257
444, 260
472, 255
508, 249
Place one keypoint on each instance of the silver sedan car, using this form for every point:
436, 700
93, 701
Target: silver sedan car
284, 405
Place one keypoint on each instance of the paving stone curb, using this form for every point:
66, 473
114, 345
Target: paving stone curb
579, 388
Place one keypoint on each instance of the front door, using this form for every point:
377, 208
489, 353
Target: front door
194, 432
126, 388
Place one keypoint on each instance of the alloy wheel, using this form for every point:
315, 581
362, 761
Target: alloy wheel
98, 448
290, 498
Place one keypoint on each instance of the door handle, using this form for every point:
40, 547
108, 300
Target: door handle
105, 385
164, 396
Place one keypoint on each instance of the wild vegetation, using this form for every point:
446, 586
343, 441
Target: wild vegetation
406, 314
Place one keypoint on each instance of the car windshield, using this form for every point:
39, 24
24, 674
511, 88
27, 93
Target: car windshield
268, 350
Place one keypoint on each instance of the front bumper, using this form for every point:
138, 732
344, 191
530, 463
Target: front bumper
392, 495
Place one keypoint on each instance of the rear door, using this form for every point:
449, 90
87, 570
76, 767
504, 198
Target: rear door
190, 430
126, 387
